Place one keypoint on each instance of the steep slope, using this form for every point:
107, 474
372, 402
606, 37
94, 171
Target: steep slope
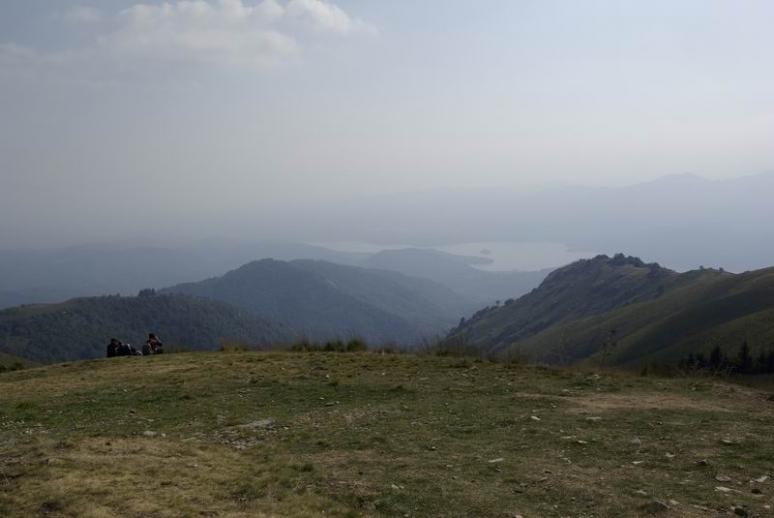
81, 328
581, 289
457, 272
323, 300
714, 309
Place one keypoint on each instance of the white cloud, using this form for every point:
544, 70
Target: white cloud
323, 15
198, 31
223, 32
82, 14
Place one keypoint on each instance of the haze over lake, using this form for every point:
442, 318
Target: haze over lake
494, 255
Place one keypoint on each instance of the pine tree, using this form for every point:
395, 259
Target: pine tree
760, 363
744, 359
717, 359
769, 369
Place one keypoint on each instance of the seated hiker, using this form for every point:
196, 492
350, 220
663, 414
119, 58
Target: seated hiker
124, 349
112, 348
146, 349
155, 344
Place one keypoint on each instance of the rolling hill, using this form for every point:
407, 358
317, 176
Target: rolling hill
81, 328
322, 300
622, 311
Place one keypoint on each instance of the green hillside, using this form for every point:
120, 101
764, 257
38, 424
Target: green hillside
81, 328
342, 435
621, 311
324, 300
584, 288
724, 311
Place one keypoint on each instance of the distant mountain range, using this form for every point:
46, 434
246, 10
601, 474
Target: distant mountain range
682, 220
47, 276
623, 311
322, 300
55, 275
81, 328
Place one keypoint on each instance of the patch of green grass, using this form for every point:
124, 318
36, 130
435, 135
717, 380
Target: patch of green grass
369, 434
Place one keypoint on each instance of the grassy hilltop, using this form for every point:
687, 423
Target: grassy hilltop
622, 311
364, 434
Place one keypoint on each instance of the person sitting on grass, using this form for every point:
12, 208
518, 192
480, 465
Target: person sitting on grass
124, 349
112, 348
154, 344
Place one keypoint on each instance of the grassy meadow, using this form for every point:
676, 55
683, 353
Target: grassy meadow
242, 434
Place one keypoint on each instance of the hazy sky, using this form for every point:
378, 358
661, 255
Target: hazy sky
118, 116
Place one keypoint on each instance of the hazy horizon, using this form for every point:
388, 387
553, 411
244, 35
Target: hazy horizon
151, 121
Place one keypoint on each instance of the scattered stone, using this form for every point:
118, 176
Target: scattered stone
756, 491
636, 441
581, 442
727, 442
148, 433
723, 478
674, 503
593, 419
534, 418
703, 463
670, 455
654, 507
641, 492
637, 462
723, 489
496, 461
258, 425
739, 511
761, 480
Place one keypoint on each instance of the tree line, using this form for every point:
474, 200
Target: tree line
743, 362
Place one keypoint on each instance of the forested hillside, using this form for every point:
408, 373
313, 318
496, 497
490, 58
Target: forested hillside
81, 328
323, 300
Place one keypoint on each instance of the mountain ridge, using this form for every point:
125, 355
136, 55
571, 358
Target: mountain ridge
323, 300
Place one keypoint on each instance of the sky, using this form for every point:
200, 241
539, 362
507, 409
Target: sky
145, 118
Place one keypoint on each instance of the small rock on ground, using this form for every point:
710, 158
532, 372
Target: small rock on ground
654, 507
